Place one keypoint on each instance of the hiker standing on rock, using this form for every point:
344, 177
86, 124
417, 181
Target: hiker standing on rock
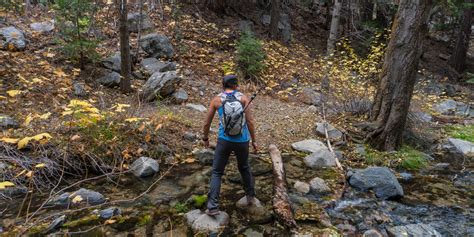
236, 128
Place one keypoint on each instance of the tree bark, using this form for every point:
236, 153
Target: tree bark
275, 18
281, 201
397, 79
125, 65
333, 31
458, 58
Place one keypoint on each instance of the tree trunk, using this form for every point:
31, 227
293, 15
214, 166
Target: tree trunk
125, 65
218, 6
333, 31
398, 75
458, 58
274, 32
281, 201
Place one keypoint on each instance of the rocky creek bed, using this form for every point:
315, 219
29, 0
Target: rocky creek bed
432, 203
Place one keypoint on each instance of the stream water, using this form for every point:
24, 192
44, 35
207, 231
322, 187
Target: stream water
430, 198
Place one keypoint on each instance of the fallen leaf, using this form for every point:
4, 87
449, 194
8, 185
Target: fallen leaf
45, 116
111, 221
9, 140
5, 184
29, 174
75, 137
42, 165
13, 93
77, 199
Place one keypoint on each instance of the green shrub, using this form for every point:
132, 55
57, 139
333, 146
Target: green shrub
406, 158
461, 132
250, 55
74, 19
181, 207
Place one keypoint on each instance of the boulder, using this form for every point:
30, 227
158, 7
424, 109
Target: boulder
205, 156
246, 26
133, 18
301, 187
320, 159
372, 233
8, 122
160, 85
379, 179
144, 167
447, 107
157, 46
12, 39
59, 201
113, 62
319, 186
190, 136
255, 212
152, 65
88, 196
197, 107
310, 96
79, 90
180, 96
309, 146
459, 147
110, 212
333, 133
111, 79
55, 225
266, 19
413, 230
201, 222
43, 27
284, 26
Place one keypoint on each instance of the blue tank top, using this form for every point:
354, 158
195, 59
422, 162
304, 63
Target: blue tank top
243, 137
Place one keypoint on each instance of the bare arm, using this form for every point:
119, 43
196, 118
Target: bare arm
208, 120
250, 119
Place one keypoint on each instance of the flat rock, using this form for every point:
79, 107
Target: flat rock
161, 85
320, 159
144, 167
372, 233
152, 65
201, 222
197, 107
79, 90
55, 224
113, 62
309, 146
333, 133
380, 179
12, 39
111, 79
413, 230
205, 156
310, 97
157, 46
110, 212
88, 196
8, 122
301, 187
43, 27
256, 212
463, 147
318, 185
180, 96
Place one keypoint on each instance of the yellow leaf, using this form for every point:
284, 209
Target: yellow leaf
13, 93
69, 112
134, 119
120, 107
42, 136
42, 165
189, 160
75, 137
111, 221
5, 184
23, 142
28, 120
29, 174
59, 72
45, 116
77, 199
9, 140
3, 97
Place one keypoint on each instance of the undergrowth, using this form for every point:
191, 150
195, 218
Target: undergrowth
461, 132
406, 158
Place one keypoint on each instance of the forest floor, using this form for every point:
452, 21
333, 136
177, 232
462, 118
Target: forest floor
37, 90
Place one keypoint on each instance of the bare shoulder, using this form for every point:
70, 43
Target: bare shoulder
244, 99
216, 101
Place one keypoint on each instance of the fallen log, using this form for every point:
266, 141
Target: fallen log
281, 201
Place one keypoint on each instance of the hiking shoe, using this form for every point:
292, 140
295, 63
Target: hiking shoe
213, 212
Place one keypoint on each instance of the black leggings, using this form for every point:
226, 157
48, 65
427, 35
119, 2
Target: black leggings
221, 157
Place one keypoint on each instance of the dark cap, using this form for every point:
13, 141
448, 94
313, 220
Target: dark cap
229, 80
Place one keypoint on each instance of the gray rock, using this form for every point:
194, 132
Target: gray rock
251, 232
301, 187
55, 225
284, 25
152, 65
441, 166
79, 90
113, 62
333, 133
3, 166
446, 107
190, 136
59, 201
42, 27
110, 212
134, 18
380, 179
160, 85
180, 96
88, 196
413, 230
372, 233
144, 167
320, 159
266, 19
157, 46
420, 116
12, 39
246, 26
309, 146
360, 150
205, 156
8, 122
406, 176
197, 107
458, 146
11, 192
256, 212
205, 223
111, 79
319, 186
310, 96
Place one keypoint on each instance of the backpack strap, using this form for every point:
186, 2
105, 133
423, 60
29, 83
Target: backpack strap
237, 94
